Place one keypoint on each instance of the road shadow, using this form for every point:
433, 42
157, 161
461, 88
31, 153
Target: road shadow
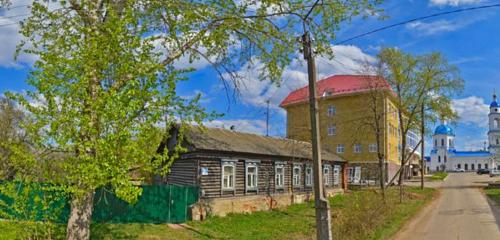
495, 209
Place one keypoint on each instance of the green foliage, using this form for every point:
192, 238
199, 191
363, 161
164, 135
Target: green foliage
493, 194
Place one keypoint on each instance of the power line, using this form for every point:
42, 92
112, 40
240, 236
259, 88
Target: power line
417, 19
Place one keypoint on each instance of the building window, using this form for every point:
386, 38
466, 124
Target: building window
445, 158
279, 175
442, 142
498, 141
354, 174
340, 148
326, 175
439, 159
332, 110
466, 166
336, 175
332, 130
479, 166
296, 175
357, 148
228, 172
472, 166
251, 176
486, 166
309, 176
372, 147
450, 143
459, 166
435, 143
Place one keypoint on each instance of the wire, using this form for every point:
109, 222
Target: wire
417, 19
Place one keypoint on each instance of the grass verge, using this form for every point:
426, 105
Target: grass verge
359, 214
493, 194
439, 176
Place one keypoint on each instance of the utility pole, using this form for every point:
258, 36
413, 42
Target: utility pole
323, 217
267, 119
422, 157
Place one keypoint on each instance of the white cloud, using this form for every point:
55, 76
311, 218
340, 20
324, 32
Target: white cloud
240, 125
472, 110
348, 60
453, 2
435, 27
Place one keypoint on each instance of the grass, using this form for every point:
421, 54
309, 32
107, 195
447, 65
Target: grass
356, 215
439, 176
494, 194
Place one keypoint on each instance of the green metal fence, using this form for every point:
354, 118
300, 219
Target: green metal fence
157, 204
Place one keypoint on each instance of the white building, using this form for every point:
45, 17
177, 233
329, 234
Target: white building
444, 156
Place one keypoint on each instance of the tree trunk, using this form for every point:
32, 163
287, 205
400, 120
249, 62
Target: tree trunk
382, 177
78, 227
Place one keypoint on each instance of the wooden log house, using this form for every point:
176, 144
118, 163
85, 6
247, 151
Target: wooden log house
242, 172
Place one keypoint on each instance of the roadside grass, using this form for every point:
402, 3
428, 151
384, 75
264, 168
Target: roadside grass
439, 176
360, 214
494, 194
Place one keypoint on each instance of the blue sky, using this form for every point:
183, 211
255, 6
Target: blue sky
469, 40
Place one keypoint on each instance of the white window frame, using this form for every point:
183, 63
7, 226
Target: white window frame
332, 111
296, 176
279, 179
253, 183
332, 130
309, 176
354, 174
326, 175
231, 177
340, 148
357, 148
372, 147
336, 175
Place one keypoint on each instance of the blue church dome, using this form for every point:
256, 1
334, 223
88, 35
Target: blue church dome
444, 129
494, 103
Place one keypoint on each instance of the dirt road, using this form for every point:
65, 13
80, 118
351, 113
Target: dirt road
461, 212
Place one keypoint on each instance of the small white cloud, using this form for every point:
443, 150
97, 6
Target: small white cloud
431, 28
240, 125
472, 110
453, 2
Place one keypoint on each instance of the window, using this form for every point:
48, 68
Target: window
439, 159
459, 166
466, 166
296, 175
326, 175
372, 147
354, 174
449, 143
357, 148
228, 172
279, 175
309, 176
435, 143
336, 175
472, 166
445, 159
340, 148
486, 166
332, 130
331, 110
479, 166
251, 176
498, 141
442, 142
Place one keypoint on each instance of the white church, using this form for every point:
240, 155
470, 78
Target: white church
444, 156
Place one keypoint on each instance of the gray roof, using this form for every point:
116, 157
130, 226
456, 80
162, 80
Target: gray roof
203, 138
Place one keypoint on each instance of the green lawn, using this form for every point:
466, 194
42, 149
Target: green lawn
494, 194
357, 215
439, 176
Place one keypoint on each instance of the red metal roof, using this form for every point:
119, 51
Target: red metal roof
336, 85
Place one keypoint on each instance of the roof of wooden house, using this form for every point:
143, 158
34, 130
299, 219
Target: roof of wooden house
218, 139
